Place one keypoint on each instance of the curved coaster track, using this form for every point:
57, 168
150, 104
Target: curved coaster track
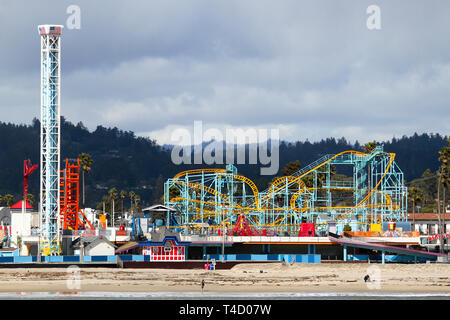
371, 191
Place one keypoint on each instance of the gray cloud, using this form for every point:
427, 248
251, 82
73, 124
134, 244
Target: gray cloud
312, 68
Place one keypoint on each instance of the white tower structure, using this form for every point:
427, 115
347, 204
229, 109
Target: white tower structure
50, 137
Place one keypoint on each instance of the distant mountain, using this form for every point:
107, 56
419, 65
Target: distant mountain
126, 161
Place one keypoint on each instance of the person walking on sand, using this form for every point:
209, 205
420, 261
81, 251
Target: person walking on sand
203, 284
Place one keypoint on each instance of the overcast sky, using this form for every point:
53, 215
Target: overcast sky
311, 69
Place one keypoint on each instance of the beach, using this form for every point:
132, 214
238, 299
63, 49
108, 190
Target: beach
242, 278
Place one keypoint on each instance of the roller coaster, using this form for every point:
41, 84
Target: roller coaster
372, 191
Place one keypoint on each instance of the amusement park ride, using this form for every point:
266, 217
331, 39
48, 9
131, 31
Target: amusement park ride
59, 196
222, 197
71, 215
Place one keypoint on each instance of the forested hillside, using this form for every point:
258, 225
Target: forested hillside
130, 163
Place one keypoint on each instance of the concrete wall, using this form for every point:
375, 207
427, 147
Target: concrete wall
20, 224
9, 253
388, 258
267, 248
327, 252
288, 258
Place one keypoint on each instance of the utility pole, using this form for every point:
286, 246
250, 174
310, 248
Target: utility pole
39, 233
223, 240
440, 229
113, 213
81, 249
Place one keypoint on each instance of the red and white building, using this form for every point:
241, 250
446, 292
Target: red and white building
170, 249
167, 250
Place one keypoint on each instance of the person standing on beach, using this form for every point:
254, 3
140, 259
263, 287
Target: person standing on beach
203, 284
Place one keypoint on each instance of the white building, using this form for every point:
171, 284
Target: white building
428, 223
93, 246
24, 227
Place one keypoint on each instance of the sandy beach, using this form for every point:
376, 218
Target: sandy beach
332, 277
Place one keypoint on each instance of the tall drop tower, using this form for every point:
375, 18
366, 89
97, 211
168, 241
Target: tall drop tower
50, 137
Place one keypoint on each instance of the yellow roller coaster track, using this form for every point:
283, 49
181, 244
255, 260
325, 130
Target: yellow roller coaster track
278, 185
249, 182
297, 179
197, 171
286, 180
360, 204
206, 189
252, 186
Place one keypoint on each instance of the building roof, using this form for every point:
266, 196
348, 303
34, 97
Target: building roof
163, 242
160, 208
428, 216
90, 242
18, 205
134, 244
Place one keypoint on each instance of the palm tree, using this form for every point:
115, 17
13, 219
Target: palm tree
444, 179
113, 195
30, 199
86, 165
444, 158
137, 200
132, 194
369, 147
173, 192
416, 196
8, 199
123, 196
105, 201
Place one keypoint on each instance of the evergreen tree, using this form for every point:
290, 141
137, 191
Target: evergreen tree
86, 165
291, 168
159, 190
369, 147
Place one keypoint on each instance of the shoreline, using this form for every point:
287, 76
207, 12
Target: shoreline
242, 278
222, 296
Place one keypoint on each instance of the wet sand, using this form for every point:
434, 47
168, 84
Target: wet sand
336, 277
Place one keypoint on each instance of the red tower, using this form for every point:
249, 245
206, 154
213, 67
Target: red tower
28, 169
72, 216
